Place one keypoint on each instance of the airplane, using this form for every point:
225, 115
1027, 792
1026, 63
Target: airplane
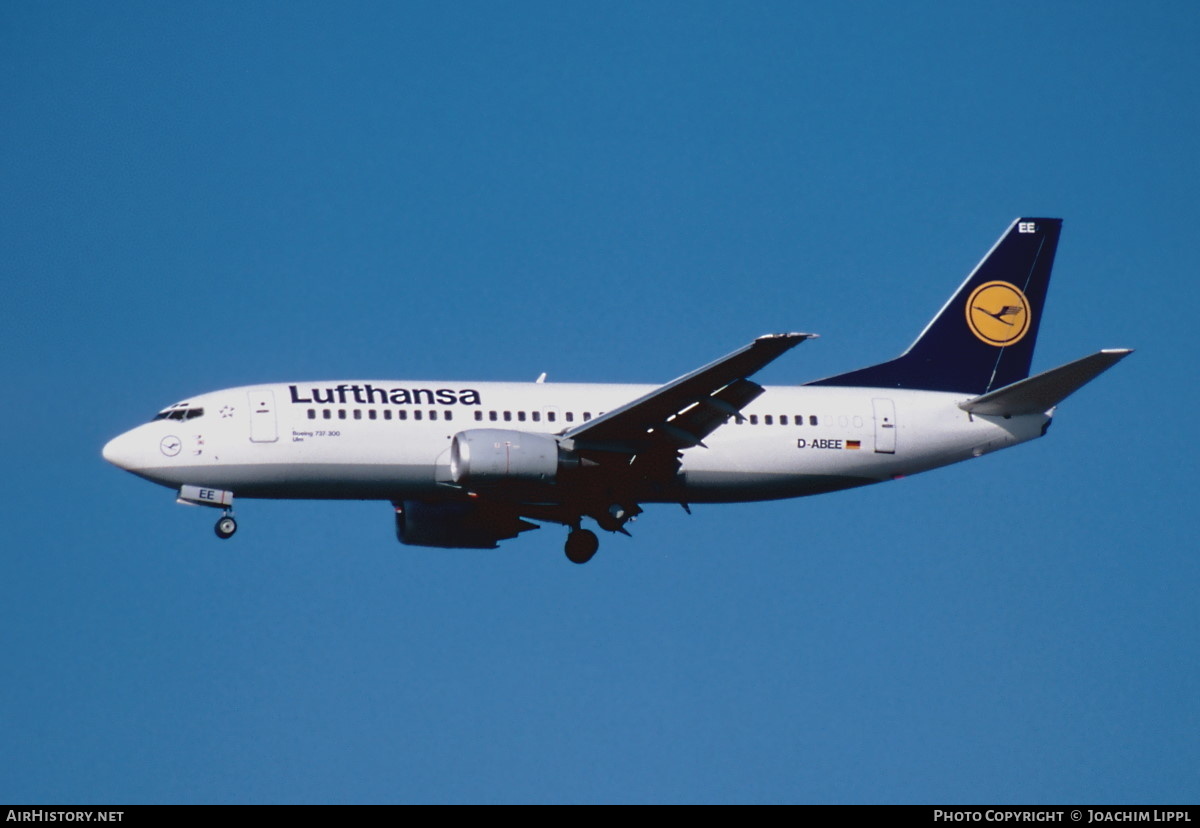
469, 464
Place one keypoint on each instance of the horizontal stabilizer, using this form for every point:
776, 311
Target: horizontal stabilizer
1047, 389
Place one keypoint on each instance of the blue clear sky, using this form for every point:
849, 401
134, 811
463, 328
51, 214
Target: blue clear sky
195, 197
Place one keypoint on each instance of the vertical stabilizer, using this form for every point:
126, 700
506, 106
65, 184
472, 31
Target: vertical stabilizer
983, 338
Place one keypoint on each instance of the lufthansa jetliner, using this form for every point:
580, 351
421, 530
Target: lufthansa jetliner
469, 464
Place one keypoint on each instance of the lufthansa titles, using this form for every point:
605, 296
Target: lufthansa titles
369, 394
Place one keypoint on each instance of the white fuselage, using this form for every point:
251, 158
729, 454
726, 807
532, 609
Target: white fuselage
390, 440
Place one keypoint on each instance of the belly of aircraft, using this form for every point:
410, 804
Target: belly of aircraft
373, 481
738, 487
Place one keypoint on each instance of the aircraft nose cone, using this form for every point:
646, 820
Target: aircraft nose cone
118, 451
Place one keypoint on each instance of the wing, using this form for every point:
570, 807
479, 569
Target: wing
633, 452
680, 414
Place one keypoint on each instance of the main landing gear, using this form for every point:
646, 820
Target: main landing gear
581, 545
225, 527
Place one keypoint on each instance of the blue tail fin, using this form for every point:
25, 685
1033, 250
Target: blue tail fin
983, 338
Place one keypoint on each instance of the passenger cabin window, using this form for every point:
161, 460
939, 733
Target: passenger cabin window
478, 416
492, 415
812, 419
521, 416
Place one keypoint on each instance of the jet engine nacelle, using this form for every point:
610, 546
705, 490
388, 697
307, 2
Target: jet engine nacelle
489, 455
456, 525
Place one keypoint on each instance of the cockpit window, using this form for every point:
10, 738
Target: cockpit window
180, 411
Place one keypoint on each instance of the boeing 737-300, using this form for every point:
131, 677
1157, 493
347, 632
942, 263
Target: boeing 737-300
469, 464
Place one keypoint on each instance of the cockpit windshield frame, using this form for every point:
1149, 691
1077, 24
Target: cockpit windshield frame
180, 411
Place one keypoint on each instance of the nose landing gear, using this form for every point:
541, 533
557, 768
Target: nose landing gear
225, 527
205, 496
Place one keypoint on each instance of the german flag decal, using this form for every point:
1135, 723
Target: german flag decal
853, 444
